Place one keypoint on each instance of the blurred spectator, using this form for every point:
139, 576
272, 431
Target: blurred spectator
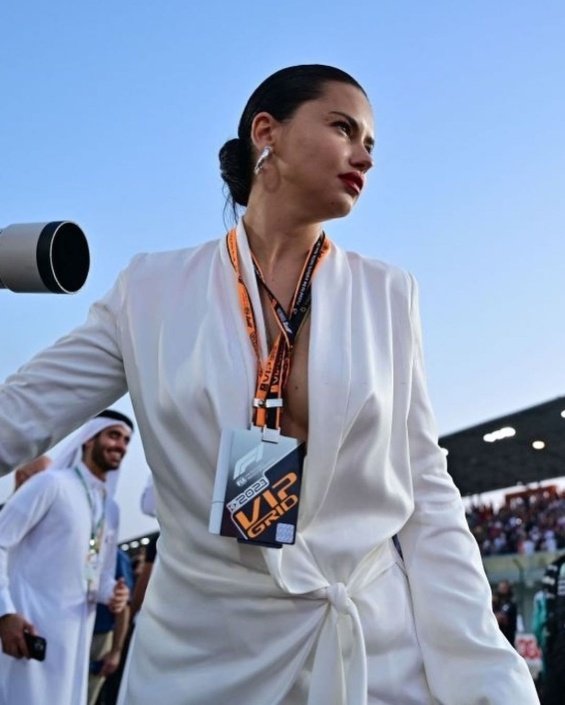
142, 568
554, 588
505, 610
529, 523
143, 578
24, 472
109, 637
148, 501
539, 628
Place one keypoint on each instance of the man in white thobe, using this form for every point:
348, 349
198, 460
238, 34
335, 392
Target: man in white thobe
58, 537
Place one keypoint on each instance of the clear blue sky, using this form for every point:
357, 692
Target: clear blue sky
112, 114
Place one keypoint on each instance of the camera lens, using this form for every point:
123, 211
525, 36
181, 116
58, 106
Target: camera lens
63, 259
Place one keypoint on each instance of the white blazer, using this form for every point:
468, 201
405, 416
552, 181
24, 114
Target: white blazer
338, 618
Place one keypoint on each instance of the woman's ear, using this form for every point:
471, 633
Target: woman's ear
263, 130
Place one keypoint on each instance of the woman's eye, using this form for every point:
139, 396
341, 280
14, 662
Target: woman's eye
345, 127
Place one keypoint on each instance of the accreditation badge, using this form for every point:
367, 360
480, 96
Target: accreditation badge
257, 487
92, 574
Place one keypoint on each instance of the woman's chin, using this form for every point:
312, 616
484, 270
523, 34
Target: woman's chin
340, 208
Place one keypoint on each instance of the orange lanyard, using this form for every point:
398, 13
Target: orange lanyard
273, 375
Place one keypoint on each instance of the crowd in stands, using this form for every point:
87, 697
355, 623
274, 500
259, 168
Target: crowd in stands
529, 521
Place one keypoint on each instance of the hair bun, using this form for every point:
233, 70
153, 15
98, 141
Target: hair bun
234, 168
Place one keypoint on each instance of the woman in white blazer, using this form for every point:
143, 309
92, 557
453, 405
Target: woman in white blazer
337, 616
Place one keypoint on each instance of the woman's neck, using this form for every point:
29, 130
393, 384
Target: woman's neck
275, 239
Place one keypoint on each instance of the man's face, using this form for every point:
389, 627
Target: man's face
106, 450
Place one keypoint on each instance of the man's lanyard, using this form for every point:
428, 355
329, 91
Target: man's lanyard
273, 375
96, 526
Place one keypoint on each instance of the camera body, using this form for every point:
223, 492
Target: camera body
43, 257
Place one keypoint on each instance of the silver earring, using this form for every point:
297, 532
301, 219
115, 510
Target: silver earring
260, 163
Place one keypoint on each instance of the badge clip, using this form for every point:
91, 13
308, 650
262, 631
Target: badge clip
270, 435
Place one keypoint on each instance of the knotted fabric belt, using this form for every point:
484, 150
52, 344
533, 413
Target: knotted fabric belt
333, 681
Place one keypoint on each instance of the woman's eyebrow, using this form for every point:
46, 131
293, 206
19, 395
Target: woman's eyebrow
354, 124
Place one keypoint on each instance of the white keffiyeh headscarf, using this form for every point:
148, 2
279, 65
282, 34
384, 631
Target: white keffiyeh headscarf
71, 454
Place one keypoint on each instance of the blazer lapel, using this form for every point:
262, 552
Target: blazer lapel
329, 378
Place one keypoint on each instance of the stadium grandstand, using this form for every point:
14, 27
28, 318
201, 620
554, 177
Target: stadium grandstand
525, 447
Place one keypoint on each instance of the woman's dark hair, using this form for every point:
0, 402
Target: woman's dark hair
280, 95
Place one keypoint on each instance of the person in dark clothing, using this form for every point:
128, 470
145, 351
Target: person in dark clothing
505, 610
109, 638
554, 588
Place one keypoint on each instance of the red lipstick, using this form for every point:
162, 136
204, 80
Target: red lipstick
353, 180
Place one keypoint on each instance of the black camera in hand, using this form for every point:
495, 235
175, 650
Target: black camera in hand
43, 257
